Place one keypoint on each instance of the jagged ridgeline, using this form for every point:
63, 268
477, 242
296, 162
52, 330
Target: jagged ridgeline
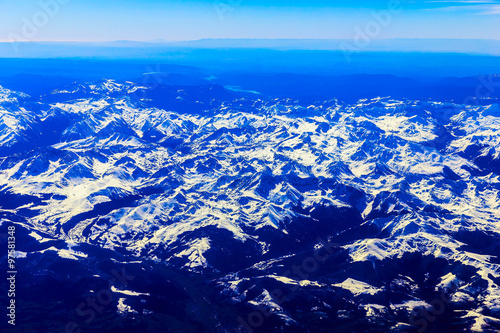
199, 209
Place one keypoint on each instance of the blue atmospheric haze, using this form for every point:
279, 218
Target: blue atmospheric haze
92, 20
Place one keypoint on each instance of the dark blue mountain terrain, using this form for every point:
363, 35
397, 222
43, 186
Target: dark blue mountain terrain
193, 206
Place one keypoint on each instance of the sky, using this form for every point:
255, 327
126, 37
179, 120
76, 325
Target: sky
146, 20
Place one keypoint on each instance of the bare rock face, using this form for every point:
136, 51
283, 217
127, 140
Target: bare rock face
378, 216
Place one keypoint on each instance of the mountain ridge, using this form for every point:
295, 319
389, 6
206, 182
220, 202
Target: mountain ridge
224, 176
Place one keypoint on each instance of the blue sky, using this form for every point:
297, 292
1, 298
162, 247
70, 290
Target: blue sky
142, 20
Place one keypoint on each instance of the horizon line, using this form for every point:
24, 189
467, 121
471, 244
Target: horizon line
159, 41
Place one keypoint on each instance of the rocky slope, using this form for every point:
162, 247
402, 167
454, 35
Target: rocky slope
381, 215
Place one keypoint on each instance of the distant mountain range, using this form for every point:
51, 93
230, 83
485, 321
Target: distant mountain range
468, 46
415, 59
205, 209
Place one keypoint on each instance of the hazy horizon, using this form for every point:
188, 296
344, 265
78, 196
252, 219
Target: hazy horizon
355, 46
